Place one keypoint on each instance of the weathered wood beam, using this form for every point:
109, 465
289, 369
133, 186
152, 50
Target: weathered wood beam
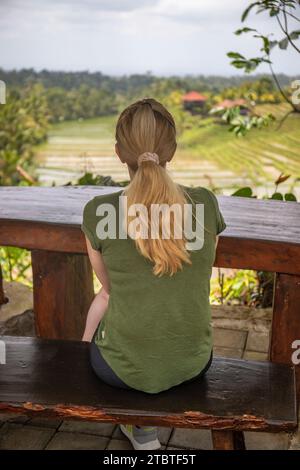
62, 293
3, 298
232, 252
286, 320
219, 424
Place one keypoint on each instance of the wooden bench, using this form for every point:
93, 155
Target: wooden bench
260, 235
53, 378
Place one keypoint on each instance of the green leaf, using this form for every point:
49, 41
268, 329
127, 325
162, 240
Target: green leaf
235, 55
243, 192
266, 46
294, 34
277, 196
274, 11
266, 61
290, 197
273, 44
239, 64
248, 9
240, 31
283, 44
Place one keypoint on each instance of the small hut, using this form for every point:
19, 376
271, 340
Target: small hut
194, 102
227, 104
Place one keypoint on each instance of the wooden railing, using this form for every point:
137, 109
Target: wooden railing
260, 235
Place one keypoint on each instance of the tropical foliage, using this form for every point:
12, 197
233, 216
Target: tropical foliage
23, 124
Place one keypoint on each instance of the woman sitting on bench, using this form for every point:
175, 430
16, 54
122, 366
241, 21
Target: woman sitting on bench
152, 246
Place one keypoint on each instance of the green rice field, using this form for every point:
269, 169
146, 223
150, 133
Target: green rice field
207, 155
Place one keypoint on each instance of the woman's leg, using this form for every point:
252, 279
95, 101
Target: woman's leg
103, 370
203, 371
141, 437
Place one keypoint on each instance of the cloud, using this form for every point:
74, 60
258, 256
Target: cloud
91, 5
63, 14
200, 11
127, 14
129, 36
109, 5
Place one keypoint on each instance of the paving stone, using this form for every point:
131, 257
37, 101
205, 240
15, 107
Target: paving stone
119, 444
13, 418
226, 338
76, 441
45, 422
295, 441
163, 434
295, 437
228, 352
191, 438
241, 317
18, 437
255, 356
257, 341
174, 448
89, 427
20, 300
266, 441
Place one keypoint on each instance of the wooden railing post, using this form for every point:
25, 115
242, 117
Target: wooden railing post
286, 319
3, 298
228, 440
62, 293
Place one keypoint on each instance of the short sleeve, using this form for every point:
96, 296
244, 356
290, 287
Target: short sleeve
89, 223
220, 222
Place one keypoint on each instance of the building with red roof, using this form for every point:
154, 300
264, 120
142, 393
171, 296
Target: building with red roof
193, 96
194, 102
228, 104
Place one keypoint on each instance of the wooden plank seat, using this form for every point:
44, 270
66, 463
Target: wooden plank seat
53, 378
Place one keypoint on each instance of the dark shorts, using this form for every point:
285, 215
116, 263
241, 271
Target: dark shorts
105, 373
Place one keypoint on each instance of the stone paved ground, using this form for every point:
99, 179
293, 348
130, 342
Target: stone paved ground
18, 432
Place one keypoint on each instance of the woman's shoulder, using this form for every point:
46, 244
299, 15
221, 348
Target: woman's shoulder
202, 195
199, 193
111, 197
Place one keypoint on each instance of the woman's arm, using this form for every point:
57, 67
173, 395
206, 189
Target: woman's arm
95, 314
100, 302
98, 265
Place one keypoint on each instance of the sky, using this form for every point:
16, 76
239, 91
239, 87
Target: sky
117, 37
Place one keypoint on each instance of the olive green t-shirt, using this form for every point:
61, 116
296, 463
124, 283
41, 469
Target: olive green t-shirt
156, 332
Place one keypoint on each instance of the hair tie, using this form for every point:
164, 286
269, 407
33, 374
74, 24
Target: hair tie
148, 157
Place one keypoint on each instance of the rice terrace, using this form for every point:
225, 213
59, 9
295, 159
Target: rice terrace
207, 154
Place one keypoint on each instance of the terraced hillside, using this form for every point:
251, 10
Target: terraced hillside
206, 155
260, 156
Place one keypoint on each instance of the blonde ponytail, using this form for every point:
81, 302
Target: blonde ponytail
146, 126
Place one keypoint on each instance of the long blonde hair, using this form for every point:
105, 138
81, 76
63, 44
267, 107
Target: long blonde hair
147, 126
